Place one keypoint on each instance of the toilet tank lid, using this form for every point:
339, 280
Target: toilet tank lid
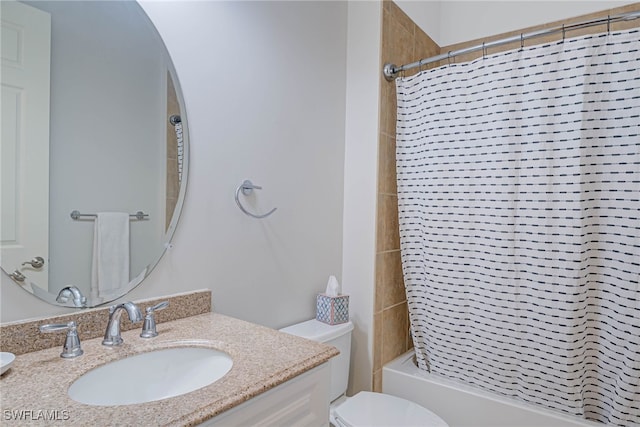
318, 331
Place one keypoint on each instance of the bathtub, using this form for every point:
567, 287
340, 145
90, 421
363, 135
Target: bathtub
460, 405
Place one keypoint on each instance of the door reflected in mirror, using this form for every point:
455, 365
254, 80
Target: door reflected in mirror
97, 129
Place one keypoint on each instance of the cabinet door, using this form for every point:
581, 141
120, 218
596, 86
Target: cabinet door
302, 401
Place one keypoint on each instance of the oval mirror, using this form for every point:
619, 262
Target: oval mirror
94, 149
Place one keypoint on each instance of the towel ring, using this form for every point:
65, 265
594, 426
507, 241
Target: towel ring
247, 188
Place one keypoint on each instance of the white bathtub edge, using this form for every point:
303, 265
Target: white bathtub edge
462, 405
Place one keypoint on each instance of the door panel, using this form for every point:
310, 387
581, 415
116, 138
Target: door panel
24, 230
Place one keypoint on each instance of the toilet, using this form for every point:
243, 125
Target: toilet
365, 409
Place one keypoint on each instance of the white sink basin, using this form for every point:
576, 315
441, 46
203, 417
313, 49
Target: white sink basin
147, 377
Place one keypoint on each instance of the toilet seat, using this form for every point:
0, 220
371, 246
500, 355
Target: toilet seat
383, 410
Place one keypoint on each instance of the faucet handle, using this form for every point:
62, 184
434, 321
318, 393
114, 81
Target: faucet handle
72, 342
159, 306
149, 325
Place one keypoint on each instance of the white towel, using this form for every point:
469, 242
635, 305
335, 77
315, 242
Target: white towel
110, 264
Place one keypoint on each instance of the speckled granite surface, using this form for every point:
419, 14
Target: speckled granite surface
262, 358
24, 337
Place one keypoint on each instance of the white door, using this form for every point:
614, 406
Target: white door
26, 52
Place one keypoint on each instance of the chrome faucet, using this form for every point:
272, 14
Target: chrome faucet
112, 335
79, 300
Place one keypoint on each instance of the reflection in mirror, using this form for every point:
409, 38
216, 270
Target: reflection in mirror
101, 135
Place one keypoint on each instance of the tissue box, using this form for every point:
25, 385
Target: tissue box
332, 310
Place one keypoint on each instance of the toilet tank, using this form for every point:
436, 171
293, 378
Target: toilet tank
338, 336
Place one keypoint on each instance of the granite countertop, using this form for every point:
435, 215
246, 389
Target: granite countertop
262, 358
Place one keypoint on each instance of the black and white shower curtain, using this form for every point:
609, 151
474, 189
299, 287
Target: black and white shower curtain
519, 209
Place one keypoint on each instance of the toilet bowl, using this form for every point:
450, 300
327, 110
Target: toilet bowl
365, 408
382, 410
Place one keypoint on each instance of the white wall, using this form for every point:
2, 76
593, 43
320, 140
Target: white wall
264, 85
360, 182
449, 22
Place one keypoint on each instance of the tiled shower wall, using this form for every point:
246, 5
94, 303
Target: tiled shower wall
173, 183
402, 42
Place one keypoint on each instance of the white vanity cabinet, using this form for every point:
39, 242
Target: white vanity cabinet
301, 401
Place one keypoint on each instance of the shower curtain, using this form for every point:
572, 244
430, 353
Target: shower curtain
519, 209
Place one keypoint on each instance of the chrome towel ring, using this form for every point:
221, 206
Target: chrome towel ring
247, 188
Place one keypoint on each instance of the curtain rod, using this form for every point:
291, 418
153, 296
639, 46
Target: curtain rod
390, 71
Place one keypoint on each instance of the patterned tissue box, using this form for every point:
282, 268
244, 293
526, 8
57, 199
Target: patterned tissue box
332, 310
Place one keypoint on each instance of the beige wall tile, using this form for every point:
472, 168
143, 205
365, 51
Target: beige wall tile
397, 37
387, 92
402, 42
377, 381
377, 341
394, 332
388, 107
389, 280
379, 285
388, 234
387, 165
172, 182
393, 291
425, 48
394, 12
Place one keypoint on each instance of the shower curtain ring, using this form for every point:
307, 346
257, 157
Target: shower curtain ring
608, 24
563, 33
449, 57
484, 51
521, 41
